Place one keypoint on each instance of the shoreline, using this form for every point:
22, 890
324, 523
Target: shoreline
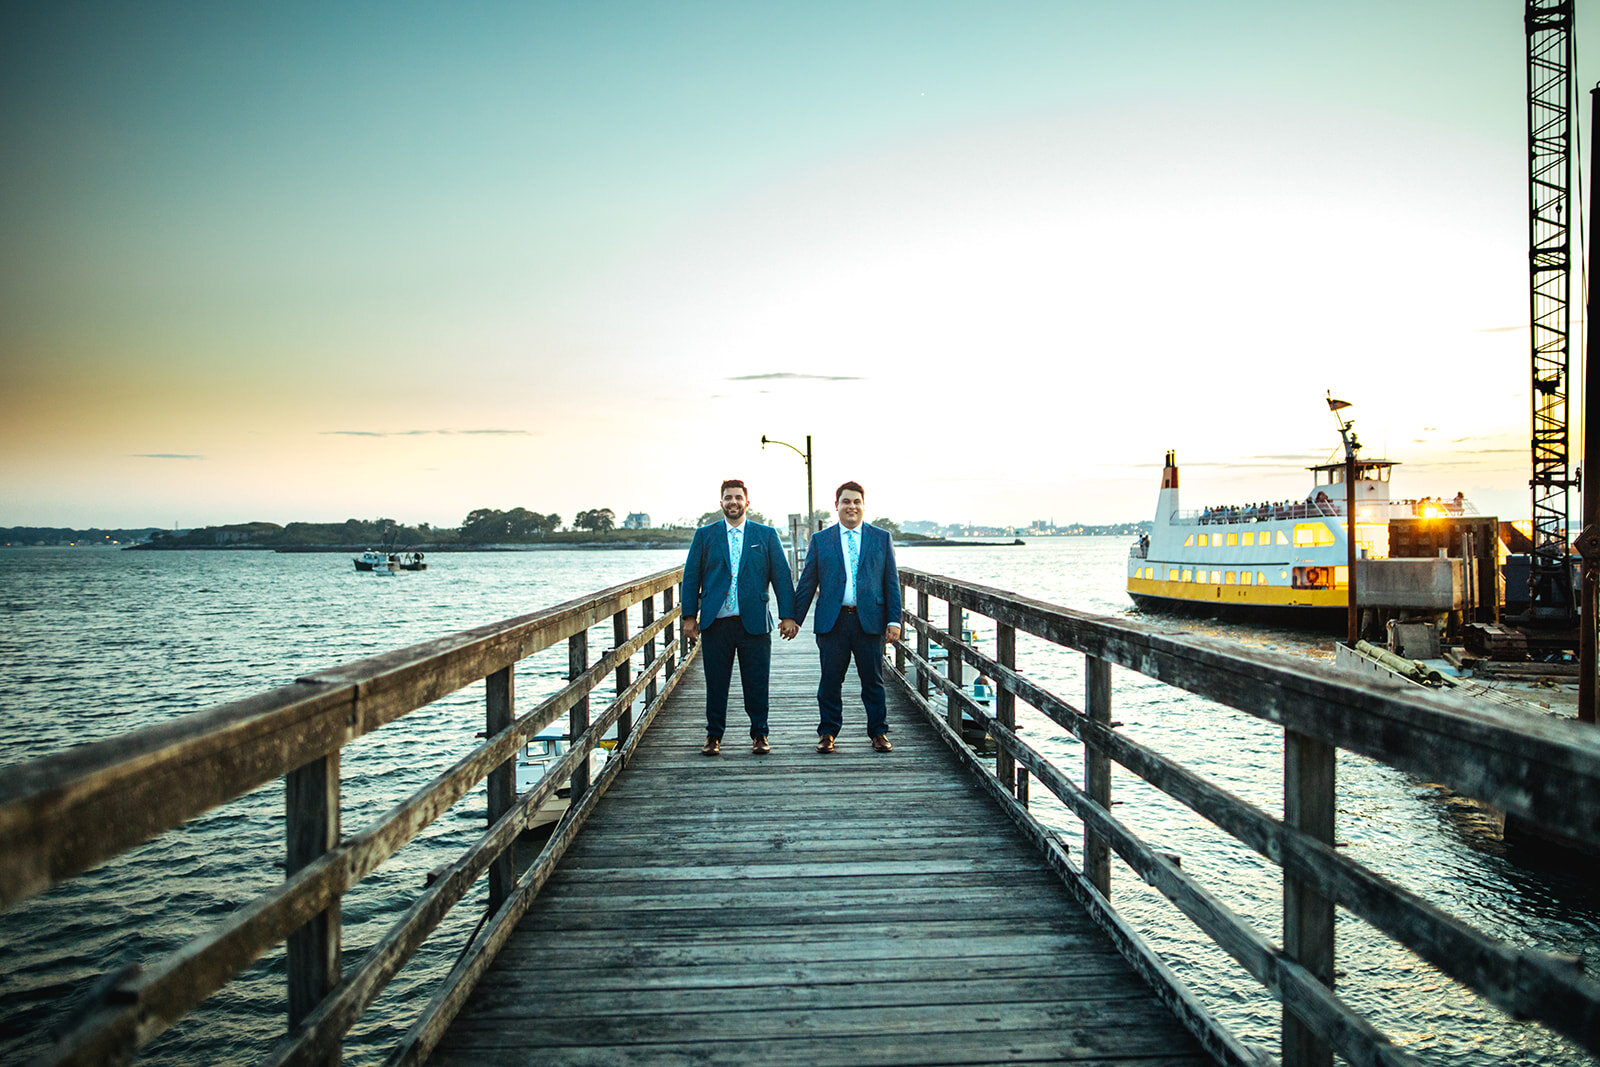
508, 547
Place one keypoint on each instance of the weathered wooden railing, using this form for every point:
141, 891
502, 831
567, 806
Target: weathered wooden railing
65, 813
1533, 767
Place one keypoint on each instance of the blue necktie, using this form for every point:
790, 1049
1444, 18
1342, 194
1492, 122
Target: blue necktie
852, 555
735, 539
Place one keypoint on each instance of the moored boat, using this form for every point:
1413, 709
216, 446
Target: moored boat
1282, 561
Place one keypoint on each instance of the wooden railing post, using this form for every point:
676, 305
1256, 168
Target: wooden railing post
900, 649
1308, 799
1097, 772
578, 718
922, 644
619, 635
311, 819
500, 708
1005, 704
669, 631
952, 670
647, 615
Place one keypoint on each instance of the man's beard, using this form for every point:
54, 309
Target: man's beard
734, 512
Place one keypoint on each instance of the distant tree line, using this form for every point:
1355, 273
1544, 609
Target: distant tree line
62, 535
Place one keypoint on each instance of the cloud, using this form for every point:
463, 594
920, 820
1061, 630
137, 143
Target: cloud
164, 455
788, 376
420, 433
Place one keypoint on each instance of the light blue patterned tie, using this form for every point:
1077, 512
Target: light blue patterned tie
853, 555
735, 543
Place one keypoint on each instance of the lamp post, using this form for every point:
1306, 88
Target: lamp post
1351, 446
806, 455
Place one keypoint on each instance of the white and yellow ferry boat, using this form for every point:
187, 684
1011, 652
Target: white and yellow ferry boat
1282, 561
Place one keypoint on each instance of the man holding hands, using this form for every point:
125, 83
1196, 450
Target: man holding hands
850, 569
725, 581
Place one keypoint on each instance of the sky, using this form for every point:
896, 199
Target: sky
311, 262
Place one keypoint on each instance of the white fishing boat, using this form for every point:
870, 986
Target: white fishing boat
372, 560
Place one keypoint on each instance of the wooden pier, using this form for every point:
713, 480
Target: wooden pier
797, 908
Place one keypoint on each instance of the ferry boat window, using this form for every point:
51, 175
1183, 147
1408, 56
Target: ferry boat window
1282, 540
1188, 576
1172, 574
1202, 540
1341, 576
1244, 577
1261, 579
1249, 537
1188, 542
1231, 578
1233, 539
1216, 577
1312, 534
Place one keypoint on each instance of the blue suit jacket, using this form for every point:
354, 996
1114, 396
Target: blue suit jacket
708, 572
877, 580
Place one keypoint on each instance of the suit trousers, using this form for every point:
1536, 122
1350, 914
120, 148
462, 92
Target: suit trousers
846, 641
721, 643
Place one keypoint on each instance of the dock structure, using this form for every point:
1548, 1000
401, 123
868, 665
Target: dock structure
858, 907
851, 908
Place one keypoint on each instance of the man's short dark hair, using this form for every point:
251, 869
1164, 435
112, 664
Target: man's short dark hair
733, 483
849, 485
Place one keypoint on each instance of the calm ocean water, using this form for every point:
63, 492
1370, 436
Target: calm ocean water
97, 642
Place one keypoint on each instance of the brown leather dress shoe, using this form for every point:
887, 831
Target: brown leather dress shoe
712, 747
759, 746
880, 743
825, 743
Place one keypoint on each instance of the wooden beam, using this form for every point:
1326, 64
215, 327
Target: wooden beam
1308, 806
1097, 772
922, 640
1005, 703
578, 717
952, 668
619, 636
311, 822
500, 707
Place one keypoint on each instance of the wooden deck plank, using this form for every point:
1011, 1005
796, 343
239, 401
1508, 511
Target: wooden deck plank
850, 908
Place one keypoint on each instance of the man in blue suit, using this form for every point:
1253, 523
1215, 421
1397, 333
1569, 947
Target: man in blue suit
850, 569
725, 581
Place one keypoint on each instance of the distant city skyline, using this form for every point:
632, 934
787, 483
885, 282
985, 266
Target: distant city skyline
408, 260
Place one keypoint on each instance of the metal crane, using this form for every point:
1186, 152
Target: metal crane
1550, 50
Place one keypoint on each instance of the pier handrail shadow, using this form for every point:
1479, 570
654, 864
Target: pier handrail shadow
134, 787
1534, 768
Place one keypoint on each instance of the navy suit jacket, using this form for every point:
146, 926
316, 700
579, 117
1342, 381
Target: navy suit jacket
877, 580
708, 573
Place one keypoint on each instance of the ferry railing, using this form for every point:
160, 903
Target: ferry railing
65, 813
1426, 507
1532, 767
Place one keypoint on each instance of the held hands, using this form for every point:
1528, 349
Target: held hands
787, 628
691, 630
